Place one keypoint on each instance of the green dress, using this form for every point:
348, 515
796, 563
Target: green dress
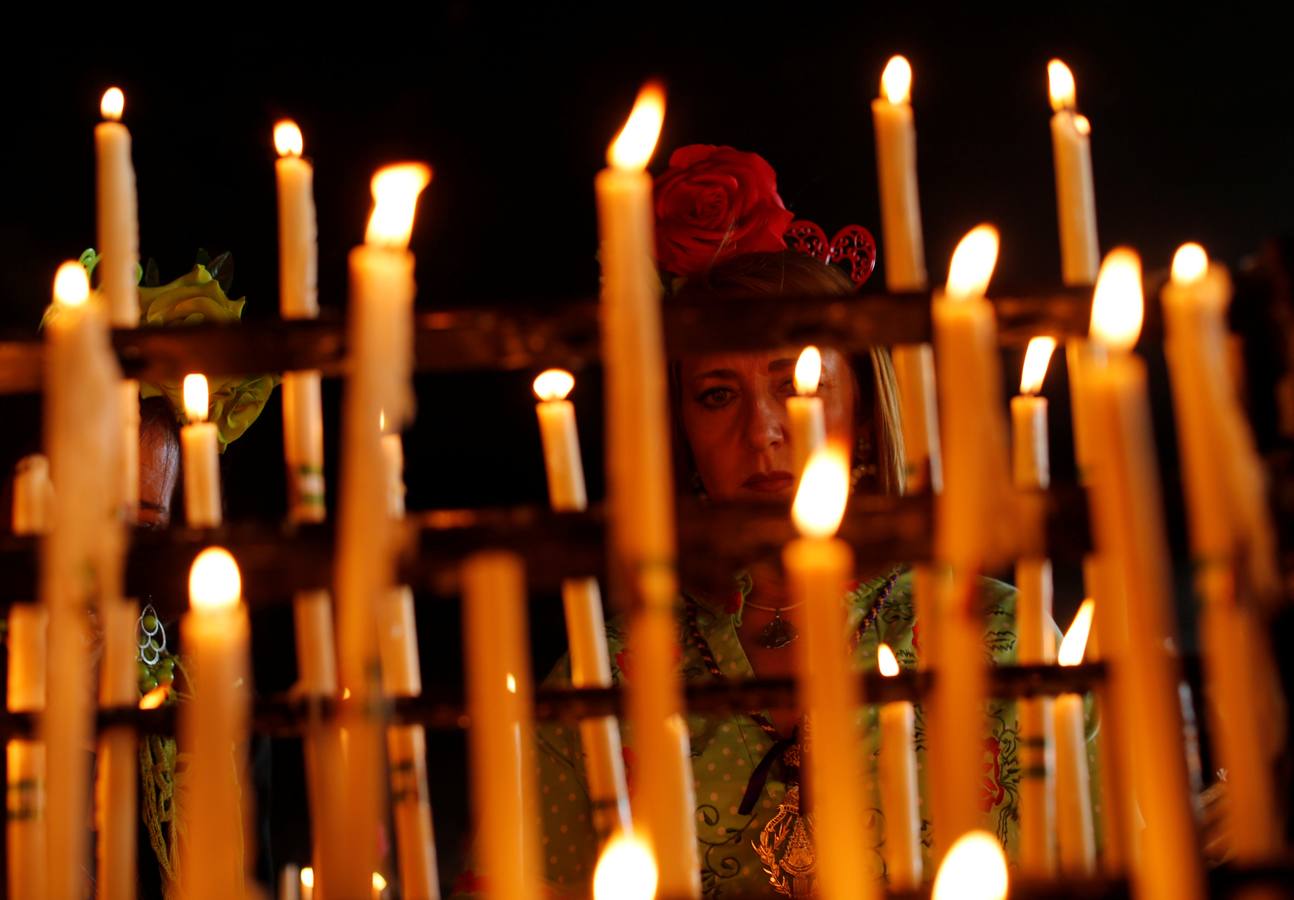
726, 748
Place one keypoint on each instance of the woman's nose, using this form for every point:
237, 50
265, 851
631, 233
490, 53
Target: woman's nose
765, 425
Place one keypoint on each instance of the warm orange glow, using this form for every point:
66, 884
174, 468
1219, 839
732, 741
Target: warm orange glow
636, 142
1118, 305
214, 580
1082, 125
896, 80
1060, 85
808, 371
553, 384
287, 138
972, 263
1074, 644
1190, 264
113, 104
196, 400
345, 693
886, 661
395, 200
1036, 359
156, 697
308, 877
379, 883
824, 490
626, 870
511, 683
973, 869
71, 285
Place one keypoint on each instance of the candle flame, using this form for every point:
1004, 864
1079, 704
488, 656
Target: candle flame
886, 661
287, 138
196, 400
71, 284
972, 263
214, 580
626, 870
1060, 85
808, 371
512, 683
553, 384
1117, 304
896, 80
1190, 264
379, 883
973, 869
113, 104
156, 697
1082, 125
1036, 359
381, 420
824, 490
636, 142
395, 200
308, 877
1074, 644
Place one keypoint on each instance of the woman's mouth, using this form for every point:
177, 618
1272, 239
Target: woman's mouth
774, 482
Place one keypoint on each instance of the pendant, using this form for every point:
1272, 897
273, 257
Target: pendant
777, 633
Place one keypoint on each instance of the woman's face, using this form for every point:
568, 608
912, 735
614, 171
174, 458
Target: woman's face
735, 421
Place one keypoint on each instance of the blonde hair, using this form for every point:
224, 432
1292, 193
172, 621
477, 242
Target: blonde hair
791, 272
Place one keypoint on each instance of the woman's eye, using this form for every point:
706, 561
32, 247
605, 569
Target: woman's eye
716, 397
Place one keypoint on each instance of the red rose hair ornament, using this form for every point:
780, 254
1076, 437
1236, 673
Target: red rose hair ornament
714, 203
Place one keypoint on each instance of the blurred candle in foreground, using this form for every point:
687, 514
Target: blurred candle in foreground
1075, 837
213, 729
973, 869
200, 457
625, 870
805, 409
1075, 197
898, 777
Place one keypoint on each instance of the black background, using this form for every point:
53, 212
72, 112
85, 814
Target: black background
513, 110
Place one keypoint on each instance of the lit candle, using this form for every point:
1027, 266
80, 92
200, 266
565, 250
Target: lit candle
1075, 198
116, 819
82, 557
818, 565
1130, 537
896, 170
406, 745
1034, 636
1224, 484
805, 411
25, 772
970, 516
974, 869
298, 299
625, 870
213, 728
199, 457
898, 777
496, 641
380, 342
307, 883
1075, 837
641, 494
582, 600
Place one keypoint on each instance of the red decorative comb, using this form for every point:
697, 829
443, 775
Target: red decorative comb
853, 247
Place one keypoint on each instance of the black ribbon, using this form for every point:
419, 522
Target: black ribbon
759, 777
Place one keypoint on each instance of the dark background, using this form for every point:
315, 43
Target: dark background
1192, 140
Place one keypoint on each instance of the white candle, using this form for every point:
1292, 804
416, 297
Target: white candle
200, 457
1034, 635
495, 637
1224, 483
1075, 836
818, 565
1130, 537
25, 825
381, 354
82, 557
898, 778
1075, 198
970, 516
213, 728
896, 170
117, 213
805, 410
582, 601
641, 494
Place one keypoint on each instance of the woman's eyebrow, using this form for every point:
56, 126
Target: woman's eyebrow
778, 365
716, 373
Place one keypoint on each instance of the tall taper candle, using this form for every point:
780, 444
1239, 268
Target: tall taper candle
1075, 198
897, 773
805, 411
1075, 834
200, 457
896, 171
